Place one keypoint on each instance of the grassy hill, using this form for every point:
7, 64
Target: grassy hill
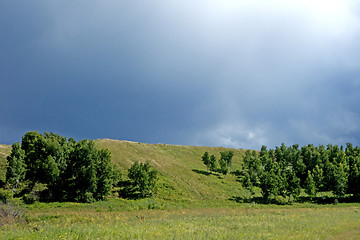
182, 175
198, 206
4, 152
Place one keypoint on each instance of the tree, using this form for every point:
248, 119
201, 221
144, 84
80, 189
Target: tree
310, 187
269, 184
252, 169
292, 185
318, 178
16, 169
143, 178
226, 161
89, 175
206, 160
51, 170
212, 163
247, 183
70, 170
105, 173
340, 179
223, 166
354, 175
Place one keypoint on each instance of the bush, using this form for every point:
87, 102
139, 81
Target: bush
5, 195
30, 198
143, 178
87, 197
10, 214
281, 200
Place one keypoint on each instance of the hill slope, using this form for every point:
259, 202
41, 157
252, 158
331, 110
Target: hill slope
4, 152
182, 175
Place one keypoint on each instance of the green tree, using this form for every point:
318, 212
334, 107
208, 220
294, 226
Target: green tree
269, 184
354, 175
212, 163
51, 170
206, 160
340, 179
143, 178
223, 166
105, 173
310, 187
16, 169
71, 171
89, 173
292, 184
318, 178
252, 169
247, 183
226, 161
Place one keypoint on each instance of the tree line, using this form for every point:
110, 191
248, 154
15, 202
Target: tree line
287, 171
70, 170
225, 162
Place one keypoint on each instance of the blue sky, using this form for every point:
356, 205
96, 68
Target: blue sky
210, 72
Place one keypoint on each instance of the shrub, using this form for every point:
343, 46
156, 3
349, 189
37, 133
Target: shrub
30, 198
10, 214
5, 195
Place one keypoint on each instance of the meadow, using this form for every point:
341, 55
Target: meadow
119, 219
189, 204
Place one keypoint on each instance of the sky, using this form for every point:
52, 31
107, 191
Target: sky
228, 73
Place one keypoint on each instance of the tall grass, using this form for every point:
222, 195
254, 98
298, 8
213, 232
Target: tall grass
250, 222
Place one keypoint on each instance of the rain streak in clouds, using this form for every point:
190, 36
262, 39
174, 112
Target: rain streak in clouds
216, 73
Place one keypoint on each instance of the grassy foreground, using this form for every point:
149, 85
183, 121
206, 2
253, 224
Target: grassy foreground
247, 221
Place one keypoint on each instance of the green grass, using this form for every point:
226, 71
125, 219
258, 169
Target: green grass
182, 174
4, 152
245, 222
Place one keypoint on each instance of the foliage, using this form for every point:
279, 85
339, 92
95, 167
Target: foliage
143, 178
16, 166
285, 171
225, 161
71, 171
212, 163
5, 195
206, 160
310, 187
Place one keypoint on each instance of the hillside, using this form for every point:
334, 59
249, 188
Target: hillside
4, 152
182, 175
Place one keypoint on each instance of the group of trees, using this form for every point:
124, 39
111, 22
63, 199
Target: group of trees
286, 171
143, 178
69, 170
225, 161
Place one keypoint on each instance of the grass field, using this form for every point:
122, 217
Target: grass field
190, 204
247, 221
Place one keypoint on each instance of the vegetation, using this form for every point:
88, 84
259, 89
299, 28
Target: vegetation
98, 221
143, 178
16, 166
287, 171
67, 170
193, 200
225, 161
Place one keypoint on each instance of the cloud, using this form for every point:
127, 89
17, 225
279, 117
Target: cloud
231, 73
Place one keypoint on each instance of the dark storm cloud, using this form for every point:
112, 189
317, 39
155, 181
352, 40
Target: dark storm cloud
230, 73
